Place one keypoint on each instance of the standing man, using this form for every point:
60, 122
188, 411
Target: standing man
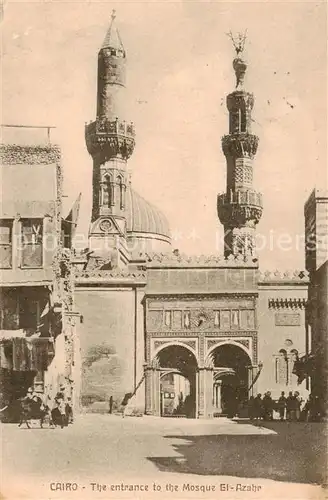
282, 406
298, 402
268, 406
289, 406
111, 405
258, 407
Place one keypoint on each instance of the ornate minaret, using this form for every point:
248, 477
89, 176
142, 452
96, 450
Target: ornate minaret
240, 208
110, 142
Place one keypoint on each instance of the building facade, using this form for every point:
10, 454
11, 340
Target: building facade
183, 335
37, 300
316, 258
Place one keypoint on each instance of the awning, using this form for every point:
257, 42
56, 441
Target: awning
26, 353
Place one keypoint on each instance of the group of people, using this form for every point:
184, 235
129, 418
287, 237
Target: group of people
59, 409
290, 408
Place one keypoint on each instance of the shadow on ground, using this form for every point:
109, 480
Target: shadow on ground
296, 453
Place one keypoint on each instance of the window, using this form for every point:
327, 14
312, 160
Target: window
6, 227
281, 368
177, 320
32, 237
247, 319
186, 319
242, 120
235, 319
167, 318
107, 192
225, 320
9, 309
217, 319
29, 313
121, 188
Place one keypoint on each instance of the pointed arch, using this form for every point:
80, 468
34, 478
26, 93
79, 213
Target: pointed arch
107, 191
122, 189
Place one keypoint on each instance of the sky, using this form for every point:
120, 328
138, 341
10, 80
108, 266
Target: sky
179, 72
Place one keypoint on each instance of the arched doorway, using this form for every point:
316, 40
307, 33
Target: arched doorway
230, 382
177, 388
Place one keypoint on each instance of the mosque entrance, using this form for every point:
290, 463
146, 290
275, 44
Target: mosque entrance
230, 378
177, 388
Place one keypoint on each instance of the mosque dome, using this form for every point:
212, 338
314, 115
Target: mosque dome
146, 226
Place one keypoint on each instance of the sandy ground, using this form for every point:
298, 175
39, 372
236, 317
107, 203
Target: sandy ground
105, 456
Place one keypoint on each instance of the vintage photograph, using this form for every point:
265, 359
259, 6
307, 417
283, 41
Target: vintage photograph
163, 250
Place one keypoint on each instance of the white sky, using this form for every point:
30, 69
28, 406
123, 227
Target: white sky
179, 72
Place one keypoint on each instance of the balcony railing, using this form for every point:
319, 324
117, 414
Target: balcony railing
110, 127
248, 197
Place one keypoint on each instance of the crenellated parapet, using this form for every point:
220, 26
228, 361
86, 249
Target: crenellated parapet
284, 277
101, 277
287, 303
176, 259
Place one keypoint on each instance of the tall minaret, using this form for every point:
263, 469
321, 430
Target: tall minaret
240, 207
110, 142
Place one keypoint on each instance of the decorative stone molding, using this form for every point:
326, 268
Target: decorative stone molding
284, 277
162, 343
110, 139
98, 273
244, 342
239, 146
211, 301
212, 342
14, 154
106, 225
153, 345
182, 260
287, 319
238, 215
287, 303
249, 342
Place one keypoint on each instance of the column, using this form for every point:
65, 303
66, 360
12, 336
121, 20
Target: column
218, 396
156, 392
148, 389
201, 392
208, 393
197, 395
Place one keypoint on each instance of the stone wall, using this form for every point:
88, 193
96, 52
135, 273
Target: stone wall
111, 330
282, 326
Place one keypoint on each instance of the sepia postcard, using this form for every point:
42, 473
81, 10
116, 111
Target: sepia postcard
163, 250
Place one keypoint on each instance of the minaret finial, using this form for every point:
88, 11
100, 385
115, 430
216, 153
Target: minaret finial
113, 39
239, 65
238, 41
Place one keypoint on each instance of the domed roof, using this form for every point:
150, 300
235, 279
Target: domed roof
143, 217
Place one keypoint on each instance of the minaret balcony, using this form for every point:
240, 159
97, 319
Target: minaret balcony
238, 207
240, 145
111, 138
